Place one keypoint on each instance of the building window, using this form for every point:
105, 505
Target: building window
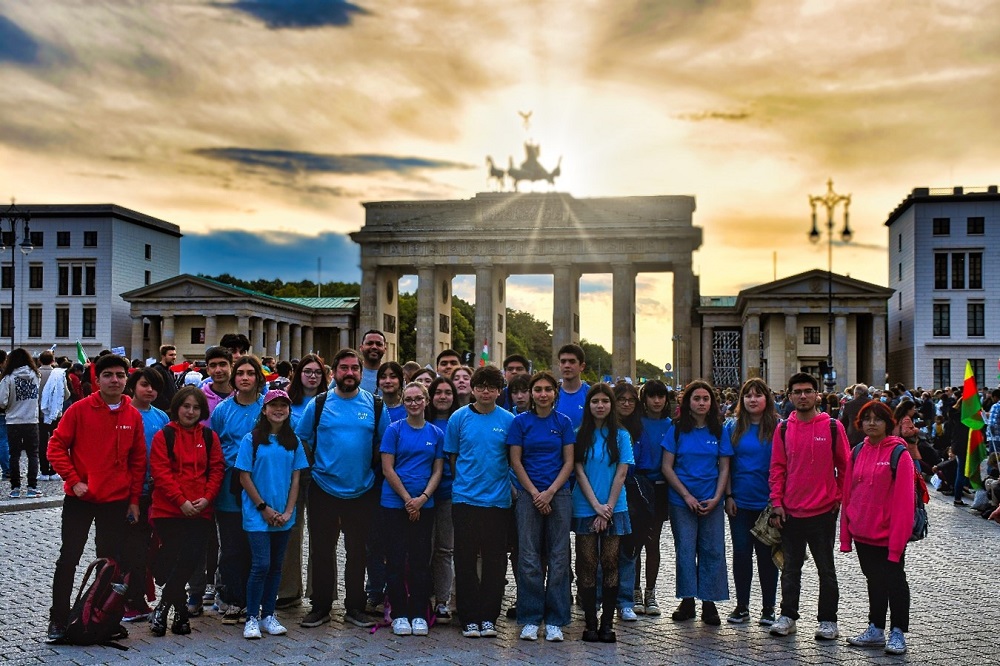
7, 238
35, 277
62, 322
149, 251
198, 336
444, 323
810, 335
148, 278
6, 277
38, 238
942, 372
899, 301
89, 327
90, 276
899, 242
6, 320
975, 270
899, 327
90, 239
958, 270
979, 371
941, 226
975, 226
899, 272
977, 319
940, 270
62, 239
942, 319
34, 322
77, 280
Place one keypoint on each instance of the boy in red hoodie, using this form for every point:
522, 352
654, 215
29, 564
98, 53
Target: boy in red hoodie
807, 482
100, 452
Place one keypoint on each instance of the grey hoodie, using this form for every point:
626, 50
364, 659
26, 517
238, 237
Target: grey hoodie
19, 396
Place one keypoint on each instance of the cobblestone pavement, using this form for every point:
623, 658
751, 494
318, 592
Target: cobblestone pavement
950, 573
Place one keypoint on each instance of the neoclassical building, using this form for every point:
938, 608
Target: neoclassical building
776, 329
193, 313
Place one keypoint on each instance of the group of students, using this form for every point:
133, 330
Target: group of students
434, 466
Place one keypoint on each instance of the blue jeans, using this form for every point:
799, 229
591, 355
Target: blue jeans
626, 580
543, 543
267, 553
700, 549
234, 556
745, 545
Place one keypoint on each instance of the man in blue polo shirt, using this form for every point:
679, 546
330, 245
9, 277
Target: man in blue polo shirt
342, 495
476, 441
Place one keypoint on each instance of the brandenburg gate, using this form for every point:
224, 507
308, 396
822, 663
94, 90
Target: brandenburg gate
495, 235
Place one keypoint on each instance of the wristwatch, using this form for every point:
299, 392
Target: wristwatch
262, 506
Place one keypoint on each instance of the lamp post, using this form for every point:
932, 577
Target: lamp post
830, 201
13, 215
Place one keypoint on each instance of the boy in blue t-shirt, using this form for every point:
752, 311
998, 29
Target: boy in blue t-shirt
476, 441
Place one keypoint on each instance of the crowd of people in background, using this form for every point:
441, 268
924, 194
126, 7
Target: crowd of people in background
201, 482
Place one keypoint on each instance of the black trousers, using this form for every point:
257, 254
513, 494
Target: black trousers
887, 586
77, 517
408, 561
480, 532
818, 533
182, 551
23, 437
328, 517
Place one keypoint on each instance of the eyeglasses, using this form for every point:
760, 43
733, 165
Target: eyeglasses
414, 401
312, 373
805, 392
627, 401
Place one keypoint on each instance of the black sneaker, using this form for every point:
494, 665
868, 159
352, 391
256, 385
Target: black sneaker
233, 615
442, 615
56, 632
710, 614
738, 616
358, 619
315, 618
487, 629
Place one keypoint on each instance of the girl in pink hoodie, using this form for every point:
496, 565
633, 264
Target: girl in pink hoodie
878, 517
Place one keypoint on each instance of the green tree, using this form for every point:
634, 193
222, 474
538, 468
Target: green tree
463, 325
406, 329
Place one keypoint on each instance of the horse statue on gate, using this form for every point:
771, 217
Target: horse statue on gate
531, 169
495, 174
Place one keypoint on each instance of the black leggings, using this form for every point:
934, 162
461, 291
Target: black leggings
182, 551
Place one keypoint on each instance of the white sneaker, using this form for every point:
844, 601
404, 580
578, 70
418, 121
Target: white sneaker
271, 625
873, 637
401, 627
530, 632
896, 643
627, 615
419, 626
43, 477
252, 629
783, 627
55, 477
827, 630
553, 634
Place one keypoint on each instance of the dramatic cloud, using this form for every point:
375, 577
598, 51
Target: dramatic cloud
288, 161
278, 14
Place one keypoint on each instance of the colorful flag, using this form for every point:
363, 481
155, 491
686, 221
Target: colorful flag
81, 355
972, 416
485, 357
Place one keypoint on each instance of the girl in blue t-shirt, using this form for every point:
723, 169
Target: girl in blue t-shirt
602, 454
696, 465
389, 380
268, 462
747, 495
412, 460
441, 404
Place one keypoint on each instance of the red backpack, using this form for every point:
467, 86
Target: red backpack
96, 616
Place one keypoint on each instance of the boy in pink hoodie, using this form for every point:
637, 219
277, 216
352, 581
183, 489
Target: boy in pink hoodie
808, 460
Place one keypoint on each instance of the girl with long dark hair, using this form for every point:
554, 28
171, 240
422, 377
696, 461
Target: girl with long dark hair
602, 454
389, 380
269, 461
308, 381
19, 392
696, 465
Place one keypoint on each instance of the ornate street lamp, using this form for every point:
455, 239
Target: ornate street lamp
830, 201
13, 215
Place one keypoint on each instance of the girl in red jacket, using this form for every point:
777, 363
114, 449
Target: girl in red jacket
878, 517
186, 478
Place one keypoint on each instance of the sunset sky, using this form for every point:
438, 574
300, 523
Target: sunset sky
265, 123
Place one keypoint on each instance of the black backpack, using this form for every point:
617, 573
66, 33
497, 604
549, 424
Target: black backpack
920, 521
96, 616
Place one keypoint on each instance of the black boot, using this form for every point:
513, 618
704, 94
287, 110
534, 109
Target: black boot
606, 634
588, 599
181, 624
158, 620
685, 611
710, 614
